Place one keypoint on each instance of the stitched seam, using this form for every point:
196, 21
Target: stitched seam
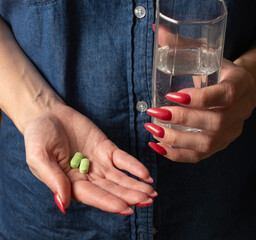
41, 3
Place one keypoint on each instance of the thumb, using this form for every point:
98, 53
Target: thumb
47, 153
49, 172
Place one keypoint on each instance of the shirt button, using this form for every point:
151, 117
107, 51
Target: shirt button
140, 12
142, 106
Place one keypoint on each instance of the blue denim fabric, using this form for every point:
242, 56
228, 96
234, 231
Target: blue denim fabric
98, 57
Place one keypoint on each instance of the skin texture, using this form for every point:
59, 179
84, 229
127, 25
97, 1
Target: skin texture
51, 140
219, 110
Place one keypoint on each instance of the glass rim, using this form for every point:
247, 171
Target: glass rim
197, 22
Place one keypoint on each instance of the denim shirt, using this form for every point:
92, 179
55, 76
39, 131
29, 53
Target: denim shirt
97, 55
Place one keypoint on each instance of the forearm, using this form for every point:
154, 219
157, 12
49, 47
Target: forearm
24, 94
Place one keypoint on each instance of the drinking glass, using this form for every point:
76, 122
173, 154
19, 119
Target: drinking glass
188, 51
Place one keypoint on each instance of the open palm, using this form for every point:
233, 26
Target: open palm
53, 138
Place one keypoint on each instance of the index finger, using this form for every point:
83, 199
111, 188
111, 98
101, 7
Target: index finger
126, 162
225, 93
222, 94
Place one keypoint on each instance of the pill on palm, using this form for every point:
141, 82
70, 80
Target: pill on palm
84, 165
76, 160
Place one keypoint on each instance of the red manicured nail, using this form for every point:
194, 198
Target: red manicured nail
155, 194
154, 26
148, 180
178, 97
59, 203
145, 204
155, 129
126, 212
160, 113
160, 150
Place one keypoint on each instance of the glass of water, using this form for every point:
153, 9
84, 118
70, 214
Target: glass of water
189, 42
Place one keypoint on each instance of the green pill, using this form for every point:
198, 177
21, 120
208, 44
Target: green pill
84, 165
75, 161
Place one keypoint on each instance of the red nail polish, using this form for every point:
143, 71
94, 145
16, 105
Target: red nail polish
126, 212
148, 180
155, 194
160, 113
160, 150
144, 204
59, 203
178, 97
155, 129
153, 26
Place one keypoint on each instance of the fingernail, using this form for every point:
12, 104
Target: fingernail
144, 204
178, 97
148, 180
160, 113
128, 211
160, 150
59, 203
153, 26
155, 194
155, 129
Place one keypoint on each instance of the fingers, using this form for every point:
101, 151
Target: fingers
109, 196
234, 84
222, 94
215, 119
109, 189
47, 153
191, 146
203, 142
167, 38
126, 162
90, 194
49, 172
181, 155
130, 196
125, 181
219, 111
108, 153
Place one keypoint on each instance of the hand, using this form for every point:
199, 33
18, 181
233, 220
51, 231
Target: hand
53, 138
168, 38
218, 110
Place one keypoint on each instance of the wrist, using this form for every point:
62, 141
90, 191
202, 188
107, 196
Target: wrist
41, 104
24, 94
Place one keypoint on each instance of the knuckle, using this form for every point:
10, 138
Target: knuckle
174, 139
139, 198
116, 206
175, 156
182, 116
195, 157
230, 92
147, 189
206, 144
217, 122
203, 98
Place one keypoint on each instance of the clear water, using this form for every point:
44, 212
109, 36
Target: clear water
184, 68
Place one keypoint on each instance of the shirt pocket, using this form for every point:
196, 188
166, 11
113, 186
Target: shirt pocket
39, 2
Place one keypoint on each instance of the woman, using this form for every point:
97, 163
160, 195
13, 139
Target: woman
84, 84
